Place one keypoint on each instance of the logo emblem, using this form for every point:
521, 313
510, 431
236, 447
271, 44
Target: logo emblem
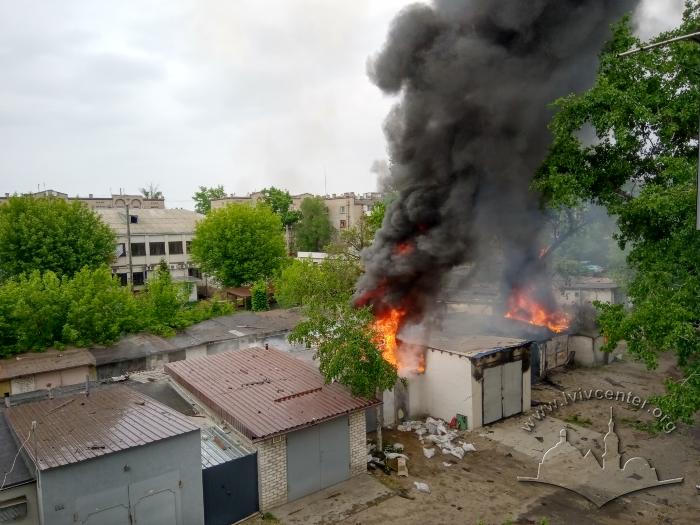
563, 465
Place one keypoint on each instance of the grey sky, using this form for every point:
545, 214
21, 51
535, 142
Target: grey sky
97, 96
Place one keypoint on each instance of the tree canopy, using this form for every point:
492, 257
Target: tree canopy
304, 282
203, 197
151, 191
281, 203
314, 230
630, 145
239, 244
51, 234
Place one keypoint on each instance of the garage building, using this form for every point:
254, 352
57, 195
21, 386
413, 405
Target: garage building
308, 434
485, 378
107, 457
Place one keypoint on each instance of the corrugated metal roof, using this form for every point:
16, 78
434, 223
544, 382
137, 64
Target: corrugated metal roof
471, 345
8, 451
263, 393
218, 448
48, 361
155, 221
77, 428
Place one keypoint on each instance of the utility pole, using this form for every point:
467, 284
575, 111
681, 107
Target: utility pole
130, 275
693, 37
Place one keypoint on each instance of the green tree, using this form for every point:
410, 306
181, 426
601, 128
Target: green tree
164, 302
376, 217
259, 300
314, 230
203, 197
641, 165
151, 192
51, 234
239, 244
302, 282
345, 343
281, 203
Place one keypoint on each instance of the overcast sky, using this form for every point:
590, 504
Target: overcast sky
98, 96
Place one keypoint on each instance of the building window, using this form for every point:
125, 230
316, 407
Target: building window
120, 249
342, 209
194, 272
188, 246
122, 278
175, 247
139, 278
156, 248
343, 224
134, 219
138, 249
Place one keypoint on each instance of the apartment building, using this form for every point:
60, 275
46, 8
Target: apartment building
113, 201
152, 235
344, 209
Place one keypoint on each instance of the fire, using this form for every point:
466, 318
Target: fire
403, 248
523, 307
544, 251
405, 358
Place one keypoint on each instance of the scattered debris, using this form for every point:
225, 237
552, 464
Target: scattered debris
468, 447
398, 447
447, 464
428, 452
401, 468
421, 487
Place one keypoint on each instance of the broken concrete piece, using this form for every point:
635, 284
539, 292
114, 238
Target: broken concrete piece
428, 452
447, 464
401, 467
398, 446
421, 487
468, 447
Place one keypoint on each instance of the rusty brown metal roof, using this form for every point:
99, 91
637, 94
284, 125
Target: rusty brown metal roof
77, 428
48, 361
263, 393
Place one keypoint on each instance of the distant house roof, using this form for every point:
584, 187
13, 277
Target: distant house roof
20, 474
48, 361
133, 346
77, 428
151, 221
264, 393
218, 448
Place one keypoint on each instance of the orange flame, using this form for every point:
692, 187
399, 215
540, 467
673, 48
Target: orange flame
404, 357
522, 307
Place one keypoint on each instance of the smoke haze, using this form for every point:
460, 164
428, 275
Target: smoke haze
475, 79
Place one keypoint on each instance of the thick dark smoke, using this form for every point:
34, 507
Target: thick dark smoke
476, 78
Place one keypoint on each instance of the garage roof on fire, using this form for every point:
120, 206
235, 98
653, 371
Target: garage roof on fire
263, 393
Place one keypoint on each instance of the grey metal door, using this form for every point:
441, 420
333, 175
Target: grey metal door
512, 388
108, 507
156, 501
493, 404
317, 457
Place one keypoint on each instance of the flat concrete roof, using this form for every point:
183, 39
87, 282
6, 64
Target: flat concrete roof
472, 345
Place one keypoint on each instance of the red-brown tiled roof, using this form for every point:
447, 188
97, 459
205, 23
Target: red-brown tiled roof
262, 393
77, 428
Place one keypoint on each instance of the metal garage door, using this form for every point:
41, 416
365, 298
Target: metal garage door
503, 391
317, 457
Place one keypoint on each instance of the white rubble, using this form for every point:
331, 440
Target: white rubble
421, 487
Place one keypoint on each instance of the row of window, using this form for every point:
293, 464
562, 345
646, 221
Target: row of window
138, 249
140, 277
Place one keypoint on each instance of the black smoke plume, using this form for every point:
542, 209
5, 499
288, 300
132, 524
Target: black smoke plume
476, 79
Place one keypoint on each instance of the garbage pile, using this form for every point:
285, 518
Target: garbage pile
434, 433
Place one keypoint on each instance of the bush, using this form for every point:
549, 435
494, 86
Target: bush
259, 299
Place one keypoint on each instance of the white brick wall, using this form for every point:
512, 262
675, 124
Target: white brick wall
358, 443
272, 472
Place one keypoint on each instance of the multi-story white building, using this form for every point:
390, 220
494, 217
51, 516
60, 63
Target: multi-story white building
113, 201
344, 209
152, 235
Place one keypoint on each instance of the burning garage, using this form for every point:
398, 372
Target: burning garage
480, 378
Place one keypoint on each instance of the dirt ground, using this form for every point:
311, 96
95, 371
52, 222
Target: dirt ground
482, 488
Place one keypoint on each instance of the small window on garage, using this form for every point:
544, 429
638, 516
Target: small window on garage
175, 247
156, 248
11, 511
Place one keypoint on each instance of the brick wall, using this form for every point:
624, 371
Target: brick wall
272, 472
358, 443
